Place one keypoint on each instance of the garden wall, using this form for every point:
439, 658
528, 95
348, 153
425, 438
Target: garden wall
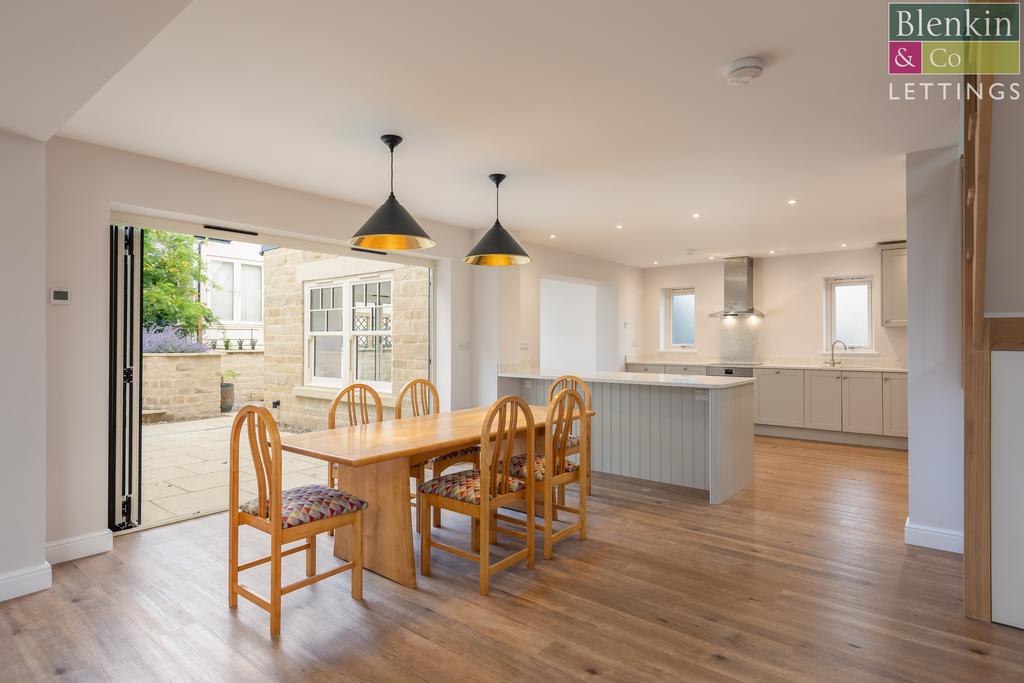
249, 382
184, 385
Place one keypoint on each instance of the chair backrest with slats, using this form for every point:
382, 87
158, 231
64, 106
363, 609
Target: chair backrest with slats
264, 442
564, 411
423, 399
571, 382
358, 399
504, 420
576, 384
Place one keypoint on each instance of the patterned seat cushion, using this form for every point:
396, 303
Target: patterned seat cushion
310, 503
517, 467
471, 452
573, 441
463, 485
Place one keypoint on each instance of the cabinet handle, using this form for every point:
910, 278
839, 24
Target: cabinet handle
778, 372
839, 376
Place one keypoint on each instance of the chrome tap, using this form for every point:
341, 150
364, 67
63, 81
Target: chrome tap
833, 362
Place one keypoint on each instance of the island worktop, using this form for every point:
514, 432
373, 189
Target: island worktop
688, 430
646, 378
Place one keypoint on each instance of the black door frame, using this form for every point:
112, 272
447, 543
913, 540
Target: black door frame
124, 509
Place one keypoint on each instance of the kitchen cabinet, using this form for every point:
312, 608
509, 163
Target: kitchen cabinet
779, 397
894, 404
823, 400
685, 369
862, 402
644, 367
894, 287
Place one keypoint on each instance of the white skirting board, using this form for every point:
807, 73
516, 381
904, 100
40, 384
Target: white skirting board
933, 537
68, 549
24, 581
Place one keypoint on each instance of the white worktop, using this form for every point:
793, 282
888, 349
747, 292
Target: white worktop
845, 365
647, 378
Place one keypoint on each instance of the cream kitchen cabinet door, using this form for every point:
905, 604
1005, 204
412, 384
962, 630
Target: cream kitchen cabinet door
894, 287
862, 402
894, 404
685, 370
823, 400
780, 397
644, 367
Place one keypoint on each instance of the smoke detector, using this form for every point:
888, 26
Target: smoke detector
742, 71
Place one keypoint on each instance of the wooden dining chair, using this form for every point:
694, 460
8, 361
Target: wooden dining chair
479, 493
554, 470
424, 400
358, 400
575, 383
287, 516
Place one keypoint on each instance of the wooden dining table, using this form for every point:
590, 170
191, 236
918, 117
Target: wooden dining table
374, 460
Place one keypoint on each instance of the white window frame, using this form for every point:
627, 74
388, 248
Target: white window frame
830, 318
349, 335
237, 305
666, 339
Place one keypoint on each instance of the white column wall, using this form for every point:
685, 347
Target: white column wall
23, 566
936, 464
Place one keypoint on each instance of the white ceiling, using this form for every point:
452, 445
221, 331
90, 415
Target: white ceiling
601, 113
55, 54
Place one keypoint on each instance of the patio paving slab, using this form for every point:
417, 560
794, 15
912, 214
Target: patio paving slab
185, 469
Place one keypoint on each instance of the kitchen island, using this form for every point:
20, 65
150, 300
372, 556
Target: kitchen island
687, 430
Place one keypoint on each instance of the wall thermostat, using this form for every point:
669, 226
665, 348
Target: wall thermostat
60, 296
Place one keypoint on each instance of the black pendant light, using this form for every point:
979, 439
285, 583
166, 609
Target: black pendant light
391, 227
497, 247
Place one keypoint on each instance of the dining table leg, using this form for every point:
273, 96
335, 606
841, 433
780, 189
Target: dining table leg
387, 522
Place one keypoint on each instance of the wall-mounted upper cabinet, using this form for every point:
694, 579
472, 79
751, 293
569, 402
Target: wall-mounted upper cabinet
894, 287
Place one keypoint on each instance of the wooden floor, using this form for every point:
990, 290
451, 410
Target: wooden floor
804, 576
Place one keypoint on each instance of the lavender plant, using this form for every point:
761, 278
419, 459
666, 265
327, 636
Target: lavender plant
169, 340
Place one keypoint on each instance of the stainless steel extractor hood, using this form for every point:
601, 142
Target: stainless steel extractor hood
739, 289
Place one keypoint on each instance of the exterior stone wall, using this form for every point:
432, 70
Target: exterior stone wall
410, 325
249, 381
283, 320
184, 385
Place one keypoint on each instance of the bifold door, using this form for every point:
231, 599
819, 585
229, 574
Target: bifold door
125, 437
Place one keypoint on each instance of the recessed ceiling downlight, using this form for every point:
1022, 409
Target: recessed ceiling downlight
742, 71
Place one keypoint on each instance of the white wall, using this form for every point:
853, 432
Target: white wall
790, 292
568, 325
1004, 291
84, 182
23, 567
1007, 476
619, 295
936, 417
